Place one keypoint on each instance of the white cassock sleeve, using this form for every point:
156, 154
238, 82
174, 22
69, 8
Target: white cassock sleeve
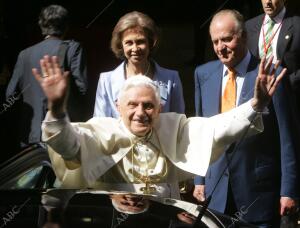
193, 143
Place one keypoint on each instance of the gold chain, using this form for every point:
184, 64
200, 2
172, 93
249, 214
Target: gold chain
148, 180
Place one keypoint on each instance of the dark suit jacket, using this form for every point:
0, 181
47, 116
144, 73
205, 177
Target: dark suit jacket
288, 50
23, 85
288, 45
263, 166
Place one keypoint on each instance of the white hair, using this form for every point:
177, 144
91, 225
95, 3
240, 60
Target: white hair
139, 81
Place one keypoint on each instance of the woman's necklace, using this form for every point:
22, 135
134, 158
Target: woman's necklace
146, 72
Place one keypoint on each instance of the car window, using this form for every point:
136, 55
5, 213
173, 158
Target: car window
27, 180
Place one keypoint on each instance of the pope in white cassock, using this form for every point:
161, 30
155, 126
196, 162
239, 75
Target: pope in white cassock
143, 151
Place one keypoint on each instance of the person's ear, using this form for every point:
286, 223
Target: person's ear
118, 107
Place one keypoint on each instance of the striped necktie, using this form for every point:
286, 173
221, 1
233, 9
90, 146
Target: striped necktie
266, 46
229, 94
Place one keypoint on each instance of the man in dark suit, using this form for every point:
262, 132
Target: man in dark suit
261, 177
284, 42
285, 46
53, 21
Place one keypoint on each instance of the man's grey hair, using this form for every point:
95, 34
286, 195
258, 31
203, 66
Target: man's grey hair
139, 81
237, 17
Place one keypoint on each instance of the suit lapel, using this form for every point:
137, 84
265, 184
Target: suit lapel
117, 80
254, 34
249, 81
257, 26
211, 92
285, 36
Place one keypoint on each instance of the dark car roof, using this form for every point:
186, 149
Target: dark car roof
28, 199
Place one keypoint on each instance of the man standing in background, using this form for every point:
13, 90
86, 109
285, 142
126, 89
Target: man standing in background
277, 33
260, 171
53, 21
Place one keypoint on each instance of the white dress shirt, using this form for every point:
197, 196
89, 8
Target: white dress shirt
241, 70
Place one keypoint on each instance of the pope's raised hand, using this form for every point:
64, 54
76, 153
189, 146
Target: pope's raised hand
266, 83
54, 83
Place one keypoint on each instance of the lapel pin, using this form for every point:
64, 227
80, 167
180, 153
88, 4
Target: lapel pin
287, 37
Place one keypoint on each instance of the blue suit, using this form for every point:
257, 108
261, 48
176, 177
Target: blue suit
263, 166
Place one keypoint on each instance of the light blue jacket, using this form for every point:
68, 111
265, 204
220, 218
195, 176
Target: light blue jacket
111, 82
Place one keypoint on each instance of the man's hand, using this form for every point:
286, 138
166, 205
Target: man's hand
287, 206
266, 84
54, 84
199, 192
